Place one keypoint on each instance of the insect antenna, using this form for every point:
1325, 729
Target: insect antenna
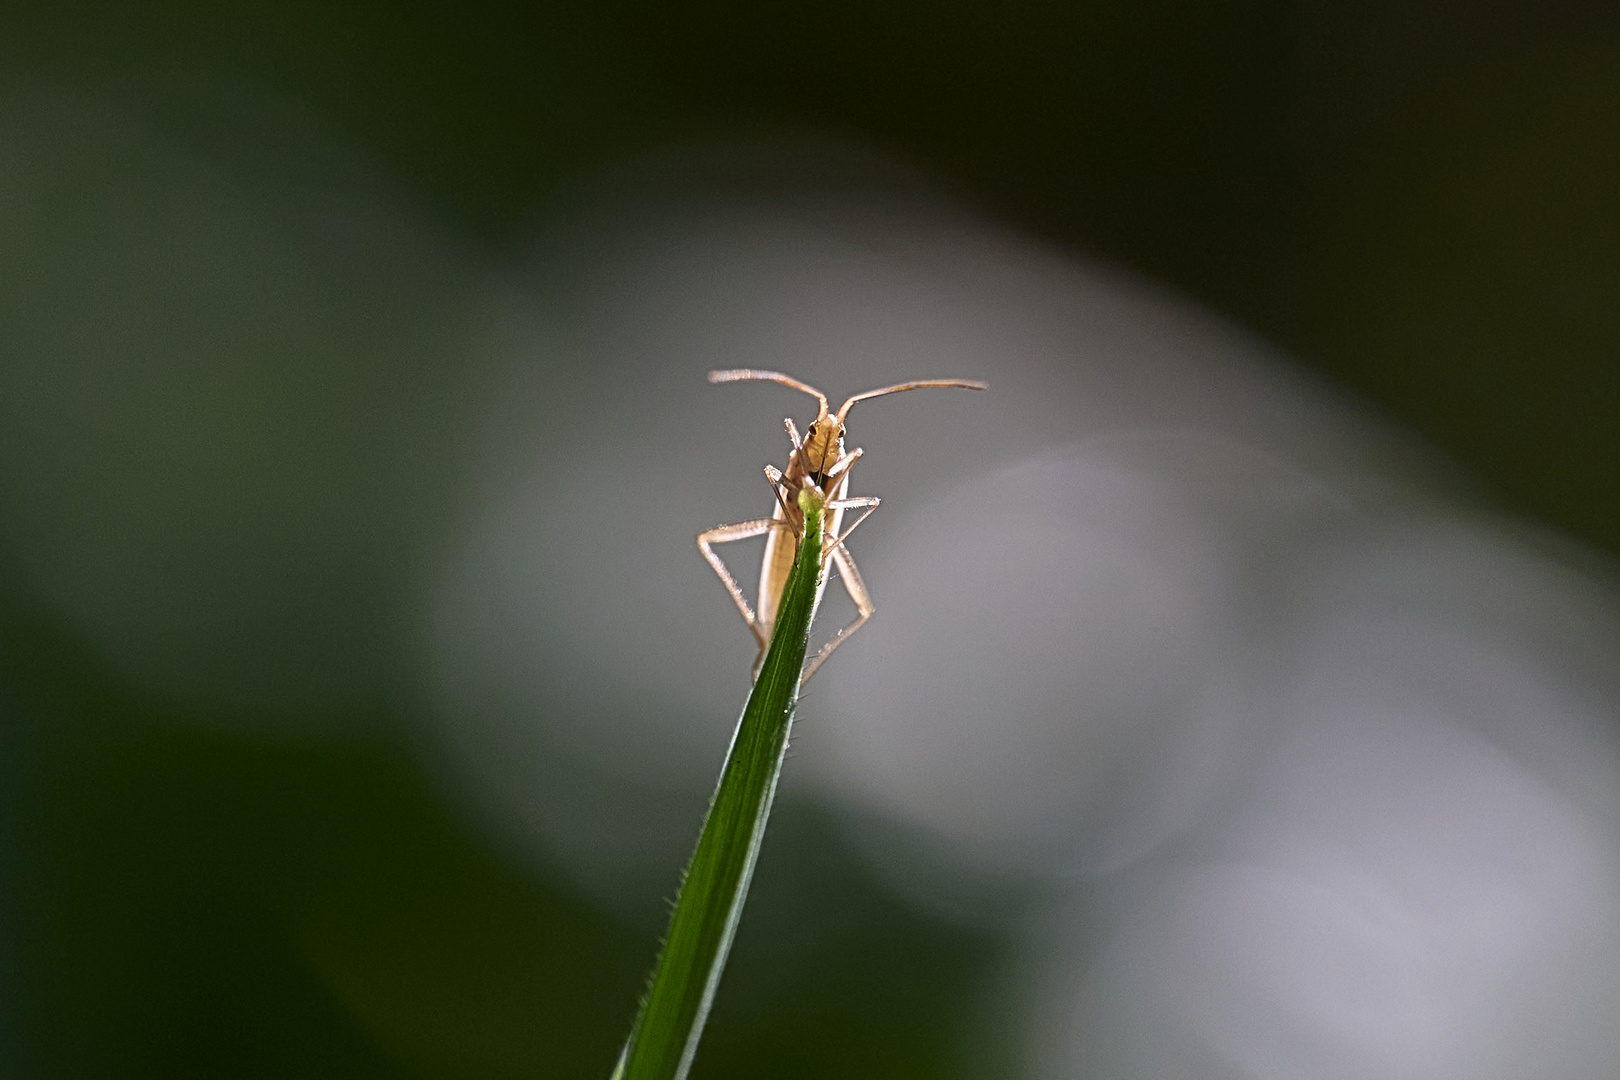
919, 384
755, 375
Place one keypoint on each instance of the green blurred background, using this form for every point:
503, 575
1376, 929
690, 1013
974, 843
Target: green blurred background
1420, 200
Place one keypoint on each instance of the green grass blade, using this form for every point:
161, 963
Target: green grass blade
665, 1035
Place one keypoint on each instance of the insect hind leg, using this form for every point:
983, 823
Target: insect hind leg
856, 588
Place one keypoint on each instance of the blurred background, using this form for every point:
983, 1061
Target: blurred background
1242, 699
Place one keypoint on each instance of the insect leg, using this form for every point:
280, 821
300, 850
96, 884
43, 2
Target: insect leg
867, 502
725, 534
774, 475
856, 588
842, 466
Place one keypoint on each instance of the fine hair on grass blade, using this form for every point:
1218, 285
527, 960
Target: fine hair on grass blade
709, 904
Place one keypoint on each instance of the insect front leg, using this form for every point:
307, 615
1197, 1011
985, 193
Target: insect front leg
725, 534
784, 496
841, 467
856, 588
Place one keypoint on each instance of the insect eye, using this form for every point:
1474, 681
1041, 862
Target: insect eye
810, 431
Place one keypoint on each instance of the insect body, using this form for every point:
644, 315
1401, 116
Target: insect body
817, 460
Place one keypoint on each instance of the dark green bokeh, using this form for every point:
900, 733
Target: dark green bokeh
1422, 201
187, 904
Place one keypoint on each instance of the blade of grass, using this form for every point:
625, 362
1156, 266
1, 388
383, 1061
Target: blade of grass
666, 1033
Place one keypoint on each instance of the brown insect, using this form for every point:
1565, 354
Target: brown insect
818, 460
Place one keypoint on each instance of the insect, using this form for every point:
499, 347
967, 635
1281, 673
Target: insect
818, 459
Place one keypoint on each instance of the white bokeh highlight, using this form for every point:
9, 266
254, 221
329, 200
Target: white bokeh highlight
1312, 757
